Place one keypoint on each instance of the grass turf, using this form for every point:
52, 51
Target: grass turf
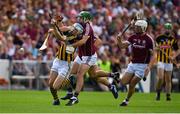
90, 102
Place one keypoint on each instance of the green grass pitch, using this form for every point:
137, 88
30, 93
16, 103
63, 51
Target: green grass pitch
90, 102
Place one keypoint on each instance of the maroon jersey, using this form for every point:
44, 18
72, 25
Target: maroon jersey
88, 48
141, 46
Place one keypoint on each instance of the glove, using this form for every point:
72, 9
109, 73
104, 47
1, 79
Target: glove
144, 78
53, 21
58, 17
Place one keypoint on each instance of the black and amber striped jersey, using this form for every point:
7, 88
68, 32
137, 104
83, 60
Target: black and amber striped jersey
166, 45
61, 53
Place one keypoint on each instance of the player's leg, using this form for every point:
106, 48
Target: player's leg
92, 74
79, 84
167, 75
138, 75
60, 82
97, 72
74, 70
87, 62
126, 78
112, 87
63, 75
103, 80
52, 77
128, 75
101, 73
131, 90
160, 79
80, 78
63, 72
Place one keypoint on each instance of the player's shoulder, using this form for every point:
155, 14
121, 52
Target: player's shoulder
161, 36
172, 38
149, 37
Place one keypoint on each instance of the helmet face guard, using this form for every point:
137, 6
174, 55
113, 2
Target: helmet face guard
78, 27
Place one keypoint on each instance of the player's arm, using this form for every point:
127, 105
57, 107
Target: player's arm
98, 42
151, 63
81, 42
177, 54
152, 55
85, 37
121, 43
57, 34
65, 28
176, 50
62, 28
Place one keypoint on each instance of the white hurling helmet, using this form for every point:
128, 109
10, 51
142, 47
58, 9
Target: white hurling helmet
142, 23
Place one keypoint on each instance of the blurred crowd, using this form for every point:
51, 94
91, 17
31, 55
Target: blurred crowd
24, 23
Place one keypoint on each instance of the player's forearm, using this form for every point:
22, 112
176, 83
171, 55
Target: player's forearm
65, 28
176, 53
152, 60
80, 42
58, 35
98, 42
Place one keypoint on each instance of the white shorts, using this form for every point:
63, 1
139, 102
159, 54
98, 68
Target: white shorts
61, 67
90, 60
165, 66
137, 69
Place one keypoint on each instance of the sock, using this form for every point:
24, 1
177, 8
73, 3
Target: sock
127, 99
109, 86
76, 94
54, 93
72, 81
110, 75
158, 92
168, 95
69, 90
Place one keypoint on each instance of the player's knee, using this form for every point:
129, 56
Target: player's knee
132, 86
168, 79
168, 82
73, 71
56, 87
80, 75
160, 79
123, 82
